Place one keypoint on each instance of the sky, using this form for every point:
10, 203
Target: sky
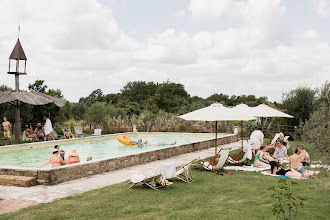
235, 47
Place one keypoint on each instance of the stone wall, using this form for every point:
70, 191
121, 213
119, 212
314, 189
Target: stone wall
52, 176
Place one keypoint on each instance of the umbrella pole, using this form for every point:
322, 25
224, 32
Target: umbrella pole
216, 136
242, 132
262, 124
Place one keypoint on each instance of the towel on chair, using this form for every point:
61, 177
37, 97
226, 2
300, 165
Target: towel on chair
248, 150
167, 170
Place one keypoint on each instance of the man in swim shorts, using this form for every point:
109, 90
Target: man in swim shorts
6, 130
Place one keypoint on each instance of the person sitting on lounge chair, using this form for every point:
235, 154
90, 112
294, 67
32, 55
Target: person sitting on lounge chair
158, 144
67, 133
29, 133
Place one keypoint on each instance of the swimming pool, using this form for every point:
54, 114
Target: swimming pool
34, 155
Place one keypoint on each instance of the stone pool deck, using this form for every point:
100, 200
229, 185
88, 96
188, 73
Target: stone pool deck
44, 194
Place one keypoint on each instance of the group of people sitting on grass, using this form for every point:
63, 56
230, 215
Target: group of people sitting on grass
140, 143
58, 158
297, 161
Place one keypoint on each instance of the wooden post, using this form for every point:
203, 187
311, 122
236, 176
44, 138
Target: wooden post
216, 136
262, 124
242, 132
17, 112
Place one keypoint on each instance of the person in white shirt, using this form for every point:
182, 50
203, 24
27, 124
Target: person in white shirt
281, 152
48, 128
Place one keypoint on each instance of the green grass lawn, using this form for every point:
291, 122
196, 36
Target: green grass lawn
242, 195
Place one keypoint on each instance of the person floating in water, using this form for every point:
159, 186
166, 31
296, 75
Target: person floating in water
147, 143
138, 143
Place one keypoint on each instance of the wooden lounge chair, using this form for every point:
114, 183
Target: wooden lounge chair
217, 162
77, 130
152, 182
184, 172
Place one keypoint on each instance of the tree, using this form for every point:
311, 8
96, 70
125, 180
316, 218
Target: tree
299, 103
170, 96
49, 110
138, 91
38, 86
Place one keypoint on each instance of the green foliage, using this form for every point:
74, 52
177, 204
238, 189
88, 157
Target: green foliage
316, 130
299, 103
38, 86
286, 204
170, 96
138, 91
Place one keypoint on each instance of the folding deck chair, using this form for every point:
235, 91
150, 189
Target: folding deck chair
97, 132
152, 179
77, 130
217, 162
184, 172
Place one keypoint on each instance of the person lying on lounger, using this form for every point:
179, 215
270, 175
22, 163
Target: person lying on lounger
276, 169
147, 143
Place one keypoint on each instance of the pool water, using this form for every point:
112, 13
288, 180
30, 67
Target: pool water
106, 147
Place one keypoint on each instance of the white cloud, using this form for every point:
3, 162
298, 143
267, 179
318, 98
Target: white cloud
180, 13
78, 46
322, 7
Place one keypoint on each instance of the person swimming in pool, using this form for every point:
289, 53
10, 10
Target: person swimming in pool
147, 143
138, 143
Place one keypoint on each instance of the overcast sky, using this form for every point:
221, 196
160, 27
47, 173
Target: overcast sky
259, 47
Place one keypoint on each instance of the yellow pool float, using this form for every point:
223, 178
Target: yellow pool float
125, 140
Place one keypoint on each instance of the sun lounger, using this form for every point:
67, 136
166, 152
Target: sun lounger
54, 133
97, 132
184, 172
217, 162
152, 178
77, 130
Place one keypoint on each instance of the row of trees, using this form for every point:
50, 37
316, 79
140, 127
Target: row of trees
153, 106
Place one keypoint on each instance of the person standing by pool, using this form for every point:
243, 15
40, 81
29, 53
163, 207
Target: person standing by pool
6, 130
158, 144
48, 128
73, 157
55, 160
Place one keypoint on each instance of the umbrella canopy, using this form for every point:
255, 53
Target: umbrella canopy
266, 111
33, 98
216, 112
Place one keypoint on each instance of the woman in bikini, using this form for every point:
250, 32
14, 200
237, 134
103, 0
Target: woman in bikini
73, 157
29, 133
40, 132
55, 160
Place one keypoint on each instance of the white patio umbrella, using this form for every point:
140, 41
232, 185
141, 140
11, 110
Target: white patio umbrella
216, 112
264, 110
